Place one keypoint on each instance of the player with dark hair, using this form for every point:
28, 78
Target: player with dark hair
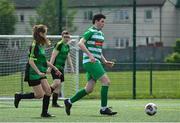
91, 44
36, 68
58, 58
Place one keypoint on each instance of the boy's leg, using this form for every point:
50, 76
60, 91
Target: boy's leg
104, 96
80, 94
55, 94
104, 90
68, 102
57, 80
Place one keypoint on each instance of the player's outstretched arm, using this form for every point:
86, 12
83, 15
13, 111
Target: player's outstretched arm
53, 57
54, 68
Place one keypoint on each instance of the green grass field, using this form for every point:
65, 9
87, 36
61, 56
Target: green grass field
88, 111
166, 84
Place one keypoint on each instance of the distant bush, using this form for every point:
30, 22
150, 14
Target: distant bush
175, 56
177, 47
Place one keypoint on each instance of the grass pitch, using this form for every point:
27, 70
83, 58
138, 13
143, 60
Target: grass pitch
165, 84
88, 111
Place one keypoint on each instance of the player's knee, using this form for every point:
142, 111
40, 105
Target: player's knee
105, 80
89, 90
48, 92
58, 85
39, 96
106, 83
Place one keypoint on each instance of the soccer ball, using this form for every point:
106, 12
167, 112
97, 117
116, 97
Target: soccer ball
151, 109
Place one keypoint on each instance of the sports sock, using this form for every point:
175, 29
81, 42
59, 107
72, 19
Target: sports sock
54, 98
45, 104
27, 96
103, 108
104, 95
81, 93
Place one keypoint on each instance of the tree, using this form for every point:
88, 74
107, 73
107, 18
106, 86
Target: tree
48, 15
7, 17
175, 56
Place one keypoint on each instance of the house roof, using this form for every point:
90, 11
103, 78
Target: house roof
113, 3
91, 3
26, 3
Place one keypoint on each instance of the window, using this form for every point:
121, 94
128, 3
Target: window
121, 16
121, 42
21, 18
88, 15
148, 15
147, 40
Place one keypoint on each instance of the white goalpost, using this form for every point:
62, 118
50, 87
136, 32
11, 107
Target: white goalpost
14, 55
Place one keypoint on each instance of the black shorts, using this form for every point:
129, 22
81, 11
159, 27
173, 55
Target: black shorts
54, 76
35, 82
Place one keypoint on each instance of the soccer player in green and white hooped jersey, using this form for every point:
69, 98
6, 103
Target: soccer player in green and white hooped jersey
91, 44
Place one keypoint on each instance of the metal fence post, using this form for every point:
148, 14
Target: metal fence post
150, 77
134, 50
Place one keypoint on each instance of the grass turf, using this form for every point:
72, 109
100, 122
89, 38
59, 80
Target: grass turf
166, 84
88, 111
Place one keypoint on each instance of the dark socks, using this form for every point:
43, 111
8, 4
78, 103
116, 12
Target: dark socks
45, 104
27, 96
55, 98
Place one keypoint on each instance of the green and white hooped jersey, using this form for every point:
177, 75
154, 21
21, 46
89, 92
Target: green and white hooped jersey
94, 42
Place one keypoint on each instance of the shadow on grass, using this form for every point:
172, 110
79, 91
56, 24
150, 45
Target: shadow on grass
103, 115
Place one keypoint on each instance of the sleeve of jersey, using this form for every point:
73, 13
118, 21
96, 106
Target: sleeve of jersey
33, 52
87, 35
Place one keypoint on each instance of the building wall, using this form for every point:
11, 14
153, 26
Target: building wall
123, 29
24, 27
146, 30
169, 24
178, 23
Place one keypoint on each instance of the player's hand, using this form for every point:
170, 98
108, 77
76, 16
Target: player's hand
92, 58
109, 64
48, 70
42, 74
58, 73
